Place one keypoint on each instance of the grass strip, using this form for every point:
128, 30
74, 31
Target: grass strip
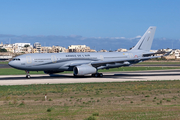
159, 63
114, 100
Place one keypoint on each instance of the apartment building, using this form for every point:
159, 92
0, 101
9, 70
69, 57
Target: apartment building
37, 47
122, 50
22, 48
80, 48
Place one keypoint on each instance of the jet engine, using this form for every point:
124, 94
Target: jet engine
84, 69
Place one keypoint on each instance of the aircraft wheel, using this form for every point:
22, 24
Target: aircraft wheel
74, 75
96, 75
93, 75
28, 76
100, 75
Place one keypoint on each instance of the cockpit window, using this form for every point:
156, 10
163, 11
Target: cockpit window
16, 59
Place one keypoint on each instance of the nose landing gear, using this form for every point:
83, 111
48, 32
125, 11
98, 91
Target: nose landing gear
27, 75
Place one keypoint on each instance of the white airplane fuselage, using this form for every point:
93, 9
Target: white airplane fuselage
86, 63
63, 61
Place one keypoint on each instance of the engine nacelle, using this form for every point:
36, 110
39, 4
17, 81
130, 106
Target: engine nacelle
84, 69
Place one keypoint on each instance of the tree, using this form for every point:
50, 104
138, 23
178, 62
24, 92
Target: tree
3, 50
26, 45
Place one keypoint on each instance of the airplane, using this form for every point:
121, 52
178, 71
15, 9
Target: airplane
86, 63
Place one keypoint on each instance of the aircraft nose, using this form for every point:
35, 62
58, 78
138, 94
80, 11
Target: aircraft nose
11, 63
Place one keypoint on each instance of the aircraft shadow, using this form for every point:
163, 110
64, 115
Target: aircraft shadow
44, 77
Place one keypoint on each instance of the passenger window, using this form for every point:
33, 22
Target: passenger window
16, 59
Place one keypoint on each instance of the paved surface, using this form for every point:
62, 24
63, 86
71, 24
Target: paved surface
4, 66
108, 77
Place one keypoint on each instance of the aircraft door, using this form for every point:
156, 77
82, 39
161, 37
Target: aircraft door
101, 57
130, 55
28, 59
53, 58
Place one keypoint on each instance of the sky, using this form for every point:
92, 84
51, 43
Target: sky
90, 18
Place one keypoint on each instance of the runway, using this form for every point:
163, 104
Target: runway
108, 77
4, 66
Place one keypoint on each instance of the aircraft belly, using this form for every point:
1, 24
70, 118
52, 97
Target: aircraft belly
53, 66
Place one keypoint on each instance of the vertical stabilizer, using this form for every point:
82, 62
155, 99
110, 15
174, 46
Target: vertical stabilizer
146, 40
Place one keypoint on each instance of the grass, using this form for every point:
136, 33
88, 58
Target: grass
137, 69
123, 100
159, 63
4, 62
12, 71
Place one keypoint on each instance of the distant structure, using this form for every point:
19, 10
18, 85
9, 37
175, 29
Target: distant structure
8, 47
103, 50
177, 54
37, 47
1, 45
22, 47
45, 49
58, 49
122, 50
80, 48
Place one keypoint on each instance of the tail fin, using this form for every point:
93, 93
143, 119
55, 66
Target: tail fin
146, 40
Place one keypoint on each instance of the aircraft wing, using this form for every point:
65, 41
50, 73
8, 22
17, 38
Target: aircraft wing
101, 63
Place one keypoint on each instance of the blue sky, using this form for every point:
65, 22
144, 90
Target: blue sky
90, 18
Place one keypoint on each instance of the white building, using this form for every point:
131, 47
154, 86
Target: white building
37, 46
80, 48
77, 46
18, 47
122, 50
8, 47
1, 45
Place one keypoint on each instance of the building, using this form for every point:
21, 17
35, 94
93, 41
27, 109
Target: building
45, 49
22, 48
1, 45
58, 49
103, 50
80, 48
122, 50
8, 47
37, 46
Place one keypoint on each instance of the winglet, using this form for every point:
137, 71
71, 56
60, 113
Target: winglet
168, 53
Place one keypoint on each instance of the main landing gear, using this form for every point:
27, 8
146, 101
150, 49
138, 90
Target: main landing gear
97, 75
27, 75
